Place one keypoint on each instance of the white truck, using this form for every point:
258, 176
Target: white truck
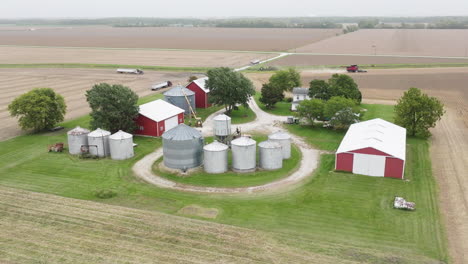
158, 86
130, 71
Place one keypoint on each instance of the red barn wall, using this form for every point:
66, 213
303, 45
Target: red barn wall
146, 126
344, 162
201, 98
394, 167
370, 151
181, 118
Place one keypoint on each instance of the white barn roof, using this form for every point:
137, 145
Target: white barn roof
201, 83
378, 134
159, 110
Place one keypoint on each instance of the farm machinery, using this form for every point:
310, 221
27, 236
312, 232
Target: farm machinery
354, 68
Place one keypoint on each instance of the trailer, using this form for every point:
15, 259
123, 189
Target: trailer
158, 86
255, 62
130, 71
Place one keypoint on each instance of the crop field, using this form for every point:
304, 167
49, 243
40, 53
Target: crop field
72, 84
29, 55
203, 38
414, 42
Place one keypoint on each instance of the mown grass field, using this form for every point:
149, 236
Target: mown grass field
281, 108
336, 215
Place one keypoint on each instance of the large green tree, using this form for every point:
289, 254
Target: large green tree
320, 89
271, 95
418, 112
344, 118
228, 88
113, 107
286, 80
38, 109
311, 110
345, 86
335, 104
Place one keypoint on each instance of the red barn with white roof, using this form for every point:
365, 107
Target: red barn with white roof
156, 117
374, 148
201, 93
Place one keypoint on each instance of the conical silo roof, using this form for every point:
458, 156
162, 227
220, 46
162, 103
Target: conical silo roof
222, 117
78, 131
279, 135
269, 144
215, 146
179, 91
99, 133
182, 132
243, 141
121, 135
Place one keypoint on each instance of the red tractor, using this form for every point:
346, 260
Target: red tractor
354, 68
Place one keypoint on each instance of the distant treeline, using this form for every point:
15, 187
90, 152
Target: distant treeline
449, 22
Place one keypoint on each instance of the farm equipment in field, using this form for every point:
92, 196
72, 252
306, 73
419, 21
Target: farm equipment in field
354, 68
401, 203
130, 71
57, 147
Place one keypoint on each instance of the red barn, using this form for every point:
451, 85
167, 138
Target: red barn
201, 93
374, 148
158, 116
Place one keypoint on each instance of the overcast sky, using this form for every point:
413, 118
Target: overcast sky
228, 8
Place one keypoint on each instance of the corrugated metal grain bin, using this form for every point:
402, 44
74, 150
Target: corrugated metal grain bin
271, 155
177, 96
98, 142
77, 137
182, 147
243, 154
121, 145
222, 125
285, 140
216, 157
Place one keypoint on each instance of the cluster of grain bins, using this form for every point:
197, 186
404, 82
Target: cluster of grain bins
181, 97
182, 147
100, 143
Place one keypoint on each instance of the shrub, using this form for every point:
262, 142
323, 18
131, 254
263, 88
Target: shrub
105, 193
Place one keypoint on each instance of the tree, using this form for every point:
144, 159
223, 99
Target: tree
368, 23
418, 112
38, 109
192, 78
320, 89
344, 85
113, 107
271, 95
286, 80
311, 110
228, 88
335, 104
344, 118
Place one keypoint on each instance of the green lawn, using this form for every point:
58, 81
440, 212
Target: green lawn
281, 108
338, 214
242, 115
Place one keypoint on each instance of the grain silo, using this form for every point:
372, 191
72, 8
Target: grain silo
98, 143
222, 125
285, 140
121, 145
271, 155
77, 137
243, 154
182, 147
179, 96
216, 157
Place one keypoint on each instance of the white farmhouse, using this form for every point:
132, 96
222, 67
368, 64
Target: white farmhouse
299, 95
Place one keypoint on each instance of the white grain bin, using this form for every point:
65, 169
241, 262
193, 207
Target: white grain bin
271, 155
121, 145
182, 147
222, 125
77, 137
98, 143
216, 157
243, 154
285, 140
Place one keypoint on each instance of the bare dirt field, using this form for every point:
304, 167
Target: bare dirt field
253, 39
72, 84
449, 141
28, 55
416, 42
314, 60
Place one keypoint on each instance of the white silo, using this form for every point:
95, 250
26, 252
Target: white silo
216, 157
121, 145
98, 143
271, 155
222, 125
285, 140
77, 137
243, 154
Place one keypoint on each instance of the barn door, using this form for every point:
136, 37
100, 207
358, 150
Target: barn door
371, 165
171, 123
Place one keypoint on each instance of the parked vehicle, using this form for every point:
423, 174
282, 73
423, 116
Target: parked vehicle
130, 71
254, 62
354, 68
158, 86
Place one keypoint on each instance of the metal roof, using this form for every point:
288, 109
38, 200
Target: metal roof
216, 146
378, 134
243, 141
279, 135
200, 82
121, 135
78, 131
99, 133
179, 91
299, 90
182, 132
159, 110
269, 144
221, 117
